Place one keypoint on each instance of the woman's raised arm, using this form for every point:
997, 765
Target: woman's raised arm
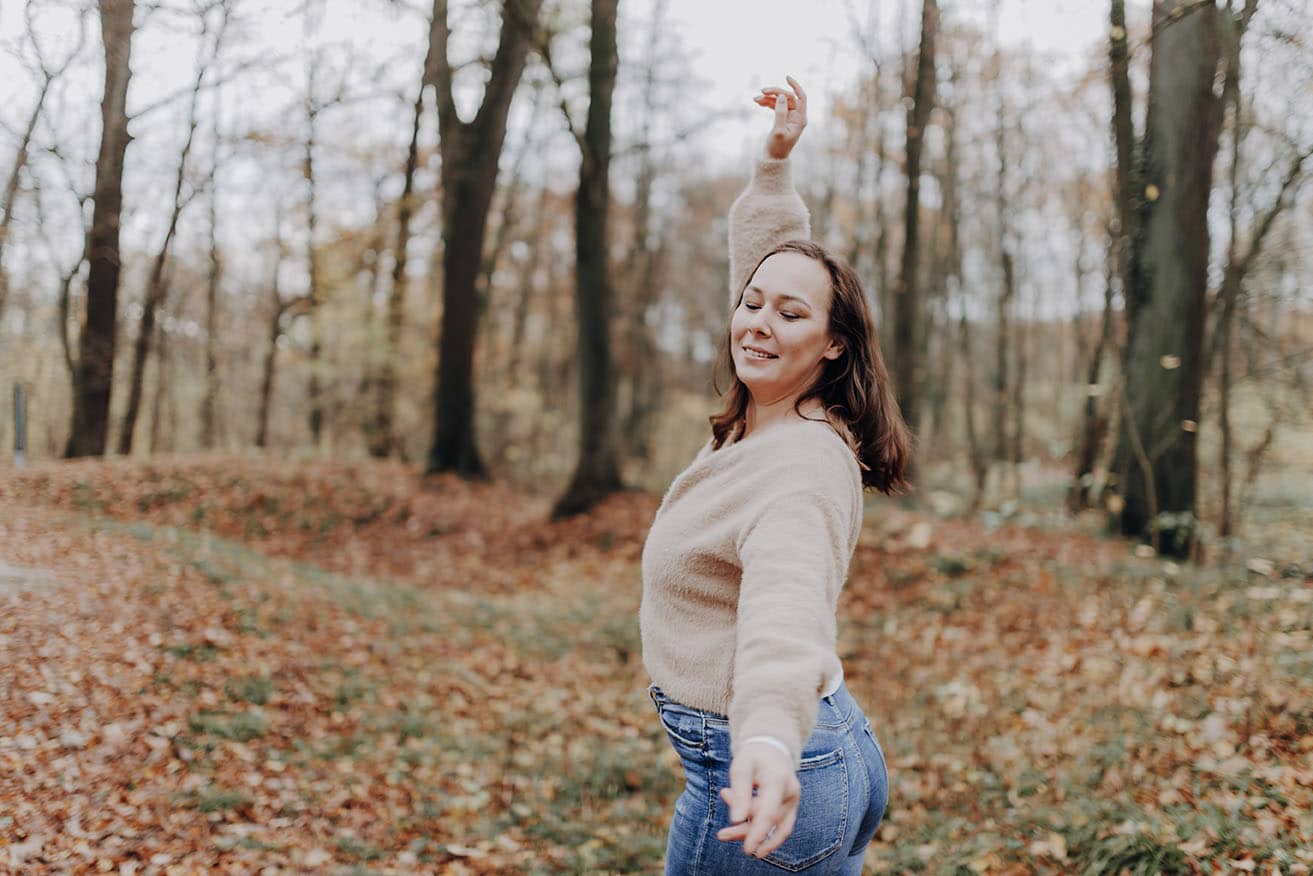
769, 211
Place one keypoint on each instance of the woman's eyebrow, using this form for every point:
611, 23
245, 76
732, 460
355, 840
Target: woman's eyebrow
783, 295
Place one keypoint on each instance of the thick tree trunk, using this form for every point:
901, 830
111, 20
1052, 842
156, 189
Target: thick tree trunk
1166, 299
90, 432
470, 155
907, 298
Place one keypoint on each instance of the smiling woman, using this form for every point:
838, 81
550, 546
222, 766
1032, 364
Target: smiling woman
750, 547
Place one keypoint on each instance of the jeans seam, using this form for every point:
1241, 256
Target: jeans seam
709, 823
866, 778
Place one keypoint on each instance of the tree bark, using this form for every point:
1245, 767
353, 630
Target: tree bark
1166, 298
383, 438
907, 297
470, 155
90, 432
1094, 425
273, 333
11, 188
210, 401
155, 284
315, 387
598, 470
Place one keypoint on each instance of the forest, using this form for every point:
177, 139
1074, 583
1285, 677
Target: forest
347, 349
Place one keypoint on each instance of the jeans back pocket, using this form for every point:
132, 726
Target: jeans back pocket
822, 813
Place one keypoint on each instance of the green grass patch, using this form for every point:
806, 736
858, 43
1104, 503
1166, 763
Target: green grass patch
238, 726
214, 799
254, 689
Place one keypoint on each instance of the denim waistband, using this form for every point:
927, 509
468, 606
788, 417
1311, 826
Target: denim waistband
835, 710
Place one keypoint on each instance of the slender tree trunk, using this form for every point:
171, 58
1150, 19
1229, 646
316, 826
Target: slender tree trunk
15, 177
313, 295
470, 156
525, 286
1166, 301
162, 390
598, 469
384, 440
273, 333
1007, 293
507, 220
90, 432
155, 284
907, 299
210, 402
1094, 425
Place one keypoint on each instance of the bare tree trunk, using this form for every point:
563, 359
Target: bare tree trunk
1007, 293
907, 299
162, 391
383, 438
470, 155
639, 357
274, 332
155, 285
598, 469
527, 279
48, 76
11, 188
1094, 425
313, 294
1166, 300
90, 432
210, 402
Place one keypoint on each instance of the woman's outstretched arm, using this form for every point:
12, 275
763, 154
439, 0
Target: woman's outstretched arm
769, 211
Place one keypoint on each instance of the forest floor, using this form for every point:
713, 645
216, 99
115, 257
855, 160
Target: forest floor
223, 664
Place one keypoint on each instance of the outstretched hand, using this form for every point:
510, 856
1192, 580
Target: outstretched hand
790, 116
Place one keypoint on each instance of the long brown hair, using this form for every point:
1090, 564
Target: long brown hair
854, 388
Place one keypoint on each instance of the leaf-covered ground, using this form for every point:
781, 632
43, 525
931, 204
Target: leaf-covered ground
227, 664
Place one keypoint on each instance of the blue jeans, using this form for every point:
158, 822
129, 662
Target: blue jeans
845, 787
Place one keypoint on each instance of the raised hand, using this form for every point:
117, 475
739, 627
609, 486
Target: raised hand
790, 116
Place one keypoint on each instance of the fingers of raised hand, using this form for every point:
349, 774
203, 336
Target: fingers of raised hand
797, 88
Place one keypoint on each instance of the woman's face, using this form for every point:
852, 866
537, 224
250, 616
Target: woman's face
784, 314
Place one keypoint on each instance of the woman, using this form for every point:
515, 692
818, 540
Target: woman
746, 556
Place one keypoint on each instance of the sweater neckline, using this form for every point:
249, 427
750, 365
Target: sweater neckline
778, 427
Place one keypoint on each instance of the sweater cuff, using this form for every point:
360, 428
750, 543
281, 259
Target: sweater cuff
770, 720
773, 176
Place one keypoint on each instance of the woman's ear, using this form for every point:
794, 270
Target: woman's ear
833, 351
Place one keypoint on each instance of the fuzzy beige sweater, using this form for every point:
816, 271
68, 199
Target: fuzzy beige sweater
750, 547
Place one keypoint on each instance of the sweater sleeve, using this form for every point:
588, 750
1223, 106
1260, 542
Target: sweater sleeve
768, 212
794, 552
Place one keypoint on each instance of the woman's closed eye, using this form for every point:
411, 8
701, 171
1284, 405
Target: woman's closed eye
784, 313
